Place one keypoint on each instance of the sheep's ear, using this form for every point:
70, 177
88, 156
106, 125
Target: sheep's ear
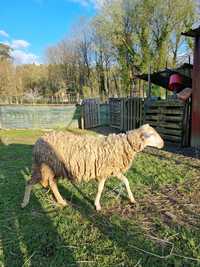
145, 126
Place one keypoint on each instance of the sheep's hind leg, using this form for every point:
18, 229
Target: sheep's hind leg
26, 195
46, 173
48, 178
54, 188
122, 178
98, 196
35, 178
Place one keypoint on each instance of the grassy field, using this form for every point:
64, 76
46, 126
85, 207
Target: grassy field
162, 230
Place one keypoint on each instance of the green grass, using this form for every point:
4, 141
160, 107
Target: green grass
162, 230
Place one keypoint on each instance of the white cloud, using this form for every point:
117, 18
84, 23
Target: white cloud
21, 57
19, 44
86, 3
19, 52
3, 33
6, 43
82, 2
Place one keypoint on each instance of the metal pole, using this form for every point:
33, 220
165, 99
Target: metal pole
149, 82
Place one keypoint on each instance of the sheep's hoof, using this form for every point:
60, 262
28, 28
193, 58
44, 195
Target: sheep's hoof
63, 203
98, 207
133, 201
23, 205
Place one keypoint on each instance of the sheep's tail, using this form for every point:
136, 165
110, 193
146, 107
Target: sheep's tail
36, 175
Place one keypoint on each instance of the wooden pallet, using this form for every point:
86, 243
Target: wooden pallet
132, 115
171, 119
126, 113
115, 108
91, 113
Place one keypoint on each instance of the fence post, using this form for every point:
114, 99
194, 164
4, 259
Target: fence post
149, 82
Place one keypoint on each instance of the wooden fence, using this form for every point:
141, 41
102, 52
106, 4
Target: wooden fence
126, 113
171, 119
90, 113
38, 116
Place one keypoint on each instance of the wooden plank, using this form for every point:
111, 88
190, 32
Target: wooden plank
134, 100
164, 124
152, 112
138, 113
121, 114
134, 114
115, 112
171, 118
128, 115
91, 113
187, 124
162, 117
176, 139
173, 111
124, 116
152, 117
177, 132
164, 103
141, 112
131, 113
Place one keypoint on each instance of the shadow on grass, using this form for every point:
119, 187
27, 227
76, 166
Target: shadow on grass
124, 235
28, 237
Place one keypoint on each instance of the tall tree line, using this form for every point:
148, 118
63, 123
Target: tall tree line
104, 55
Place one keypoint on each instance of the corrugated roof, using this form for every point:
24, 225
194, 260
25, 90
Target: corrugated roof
161, 77
192, 32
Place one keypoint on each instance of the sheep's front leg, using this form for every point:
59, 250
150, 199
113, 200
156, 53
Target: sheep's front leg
54, 188
98, 196
122, 178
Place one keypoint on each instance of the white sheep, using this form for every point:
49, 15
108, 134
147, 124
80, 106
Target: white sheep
82, 158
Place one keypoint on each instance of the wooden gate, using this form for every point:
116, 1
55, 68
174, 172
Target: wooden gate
90, 113
126, 113
115, 111
132, 117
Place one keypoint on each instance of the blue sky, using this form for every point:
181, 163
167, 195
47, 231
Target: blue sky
29, 26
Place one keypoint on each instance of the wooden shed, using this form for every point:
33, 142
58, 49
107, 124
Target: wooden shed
195, 133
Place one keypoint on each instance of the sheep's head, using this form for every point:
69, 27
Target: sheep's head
144, 136
150, 136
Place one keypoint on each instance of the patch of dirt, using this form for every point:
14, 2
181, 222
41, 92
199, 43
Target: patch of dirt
178, 158
184, 151
177, 205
